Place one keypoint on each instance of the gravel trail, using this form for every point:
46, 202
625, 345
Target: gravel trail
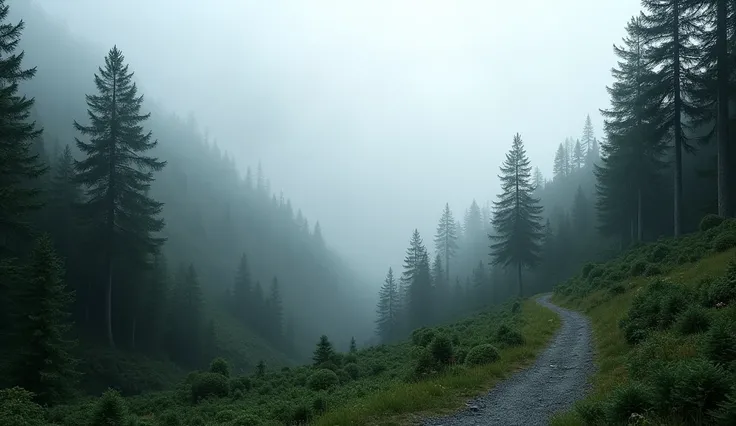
557, 379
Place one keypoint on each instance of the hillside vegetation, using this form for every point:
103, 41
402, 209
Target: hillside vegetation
664, 321
435, 371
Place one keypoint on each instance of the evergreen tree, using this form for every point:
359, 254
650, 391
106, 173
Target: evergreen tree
538, 180
259, 311
18, 163
586, 142
276, 311
481, 285
117, 174
44, 364
568, 156
633, 157
62, 201
446, 239
186, 318
353, 347
290, 336
668, 27
558, 169
581, 214
417, 275
441, 290
578, 158
242, 292
324, 351
517, 214
388, 309
317, 235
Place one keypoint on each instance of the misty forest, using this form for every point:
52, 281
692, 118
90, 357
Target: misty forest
150, 274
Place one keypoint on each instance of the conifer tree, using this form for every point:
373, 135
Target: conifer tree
63, 199
44, 364
388, 309
581, 214
353, 347
317, 235
441, 289
118, 175
586, 142
242, 292
259, 311
558, 168
186, 319
446, 239
517, 215
481, 285
18, 163
324, 351
417, 275
633, 157
276, 311
538, 180
578, 159
668, 27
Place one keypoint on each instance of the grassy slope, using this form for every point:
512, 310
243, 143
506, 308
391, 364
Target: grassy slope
376, 386
688, 261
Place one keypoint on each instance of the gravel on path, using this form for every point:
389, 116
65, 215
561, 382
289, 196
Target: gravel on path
558, 378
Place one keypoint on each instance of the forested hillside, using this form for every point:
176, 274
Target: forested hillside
219, 265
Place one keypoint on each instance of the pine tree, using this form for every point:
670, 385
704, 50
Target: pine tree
353, 347
568, 156
538, 180
633, 156
517, 214
388, 309
668, 27
276, 311
417, 275
118, 175
44, 364
63, 199
242, 292
581, 214
18, 164
481, 285
558, 169
578, 158
324, 351
440, 290
446, 239
586, 142
317, 235
186, 318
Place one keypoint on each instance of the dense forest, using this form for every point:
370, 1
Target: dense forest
125, 232
158, 246
660, 165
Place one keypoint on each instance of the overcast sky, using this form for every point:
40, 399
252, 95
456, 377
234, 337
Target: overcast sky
370, 115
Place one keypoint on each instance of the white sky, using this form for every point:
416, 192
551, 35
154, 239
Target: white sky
370, 115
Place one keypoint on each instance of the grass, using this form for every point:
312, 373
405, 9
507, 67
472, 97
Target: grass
381, 385
609, 302
447, 392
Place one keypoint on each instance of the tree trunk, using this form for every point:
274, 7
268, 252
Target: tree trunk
521, 287
677, 208
724, 207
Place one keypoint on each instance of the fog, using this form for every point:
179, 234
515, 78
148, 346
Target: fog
369, 115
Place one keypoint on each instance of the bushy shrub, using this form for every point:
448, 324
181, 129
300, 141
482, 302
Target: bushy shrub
726, 412
18, 409
170, 418
207, 385
637, 268
693, 320
460, 355
110, 409
441, 349
724, 241
592, 413
587, 268
516, 307
319, 404
722, 290
710, 221
322, 379
482, 354
245, 419
508, 336
719, 344
301, 414
241, 383
658, 253
633, 398
689, 387
220, 366
617, 289
652, 270
662, 348
423, 336
424, 363
353, 370
656, 307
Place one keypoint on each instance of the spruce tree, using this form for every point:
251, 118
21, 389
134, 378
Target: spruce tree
353, 347
186, 318
63, 199
323, 352
417, 275
242, 291
446, 239
118, 175
586, 142
633, 157
441, 290
42, 304
388, 309
276, 311
667, 27
578, 158
558, 168
18, 163
517, 215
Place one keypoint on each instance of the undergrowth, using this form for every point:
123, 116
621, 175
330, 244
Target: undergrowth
434, 371
664, 324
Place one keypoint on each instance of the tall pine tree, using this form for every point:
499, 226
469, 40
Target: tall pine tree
517, 215
388, 309
118, 175
446, 239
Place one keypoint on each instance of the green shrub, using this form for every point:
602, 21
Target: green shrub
482, 354
18, 409
441, 349
724, 241
353, 371
617, 289
207, 385
690, 387
587, 268
170, 418
424, 363
722, 290
633, 398
516, 307
110, 409
241, 383
220, 366
322, 379
301, 414
637, 268
423, 336
710, 221
655, 307
719, 344
652, 270
460, 355
245, 419
658, 253
693, 320
319, 404
509, 336
726, 413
